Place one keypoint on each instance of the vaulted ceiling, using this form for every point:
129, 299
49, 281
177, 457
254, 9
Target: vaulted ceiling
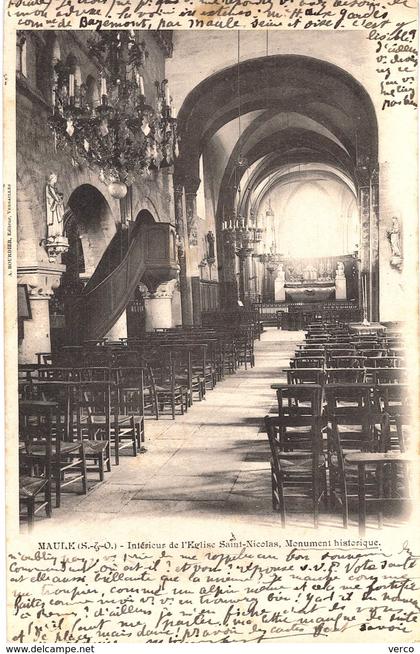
282, 111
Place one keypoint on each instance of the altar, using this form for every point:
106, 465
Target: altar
313, 291
318, 279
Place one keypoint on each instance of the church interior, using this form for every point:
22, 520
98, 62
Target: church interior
215, 283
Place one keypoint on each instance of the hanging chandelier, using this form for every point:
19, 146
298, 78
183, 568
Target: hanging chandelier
122, 136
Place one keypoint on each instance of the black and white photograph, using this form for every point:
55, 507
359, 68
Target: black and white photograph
215, 273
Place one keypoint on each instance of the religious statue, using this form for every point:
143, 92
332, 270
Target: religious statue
340, 269
210, 247
280, 273
394, 240
55, 243
55, 208
340, 282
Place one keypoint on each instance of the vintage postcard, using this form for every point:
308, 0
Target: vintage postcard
211, 322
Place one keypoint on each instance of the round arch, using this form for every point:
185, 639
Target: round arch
347, 110
95, 222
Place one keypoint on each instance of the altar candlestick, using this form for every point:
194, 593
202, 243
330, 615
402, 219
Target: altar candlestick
167, 95
103, 86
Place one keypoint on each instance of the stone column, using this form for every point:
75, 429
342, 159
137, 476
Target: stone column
363, 179
230, 285
41, 281
374, 244
191, 186
368, 199
158, 306
184, 278
118, 329
244, 255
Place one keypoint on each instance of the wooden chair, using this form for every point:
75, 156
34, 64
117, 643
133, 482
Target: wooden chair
392, 474
303, 400
305, 376
346, 361
229, 356
35, 474
102, 425
385, 362
348, 436
349, 401
202, 370
331, 347
245, 351
150, 399
297, 461
169, 392
394, 399
345, 375
130, 398
309, 352
67, 455
387, 375
307, 362
370, 352
338, 352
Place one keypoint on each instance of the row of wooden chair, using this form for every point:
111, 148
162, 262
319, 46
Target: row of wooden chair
342, 430
81, 407
311, 441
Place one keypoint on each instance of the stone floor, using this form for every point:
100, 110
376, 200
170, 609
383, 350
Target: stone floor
211, 464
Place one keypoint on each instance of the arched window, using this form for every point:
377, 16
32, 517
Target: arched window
21, 65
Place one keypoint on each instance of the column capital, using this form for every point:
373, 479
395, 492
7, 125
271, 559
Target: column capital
178, 187
165, 290
41, 280
191, 184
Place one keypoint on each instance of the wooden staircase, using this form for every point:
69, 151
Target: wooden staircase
146, 254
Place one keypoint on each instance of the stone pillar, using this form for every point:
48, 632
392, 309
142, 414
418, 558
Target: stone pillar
279, 290
184, 278
368, 200
41, 281
191, 186
158, 307
230, 285
118, 329
363, 178
244, 255
374, 244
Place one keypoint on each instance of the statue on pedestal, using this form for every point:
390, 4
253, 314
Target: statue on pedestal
211, 257
340, 282
279, 290
394, 237
340, 269
55, 243
55, 207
